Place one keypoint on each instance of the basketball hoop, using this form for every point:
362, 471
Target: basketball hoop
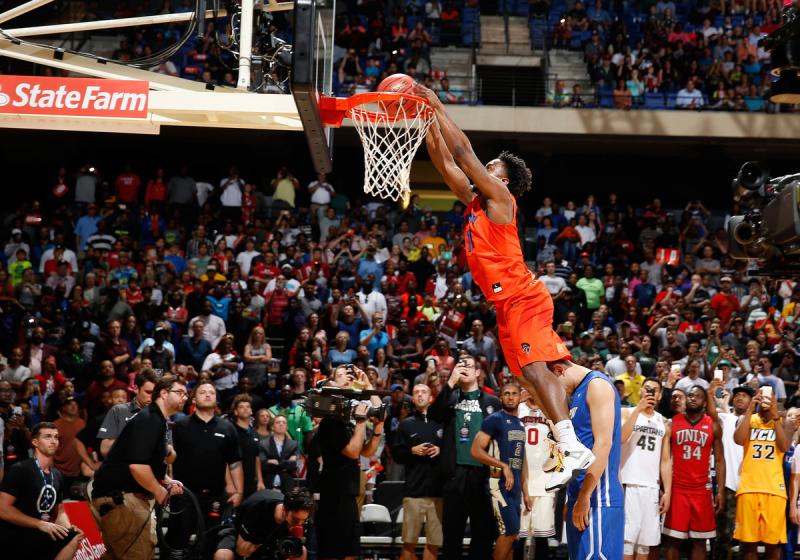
391, 127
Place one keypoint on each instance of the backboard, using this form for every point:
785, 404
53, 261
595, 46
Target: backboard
312, 73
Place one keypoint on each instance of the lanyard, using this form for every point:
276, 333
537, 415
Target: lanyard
45, 480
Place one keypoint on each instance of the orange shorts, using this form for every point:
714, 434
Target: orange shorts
525, 328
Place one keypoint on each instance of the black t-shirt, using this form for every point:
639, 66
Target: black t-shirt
143, 441
340, 474
248, 447
255, 520
203, 449
27, 484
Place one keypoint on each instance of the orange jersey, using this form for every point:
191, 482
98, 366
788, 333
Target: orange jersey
494, 254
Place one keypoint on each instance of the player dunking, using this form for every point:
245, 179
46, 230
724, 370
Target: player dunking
523, 304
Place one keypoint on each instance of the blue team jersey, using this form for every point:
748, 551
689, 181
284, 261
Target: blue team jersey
509, 434
608, 492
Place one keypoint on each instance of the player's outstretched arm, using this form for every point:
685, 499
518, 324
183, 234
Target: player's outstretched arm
460, 147
442, 159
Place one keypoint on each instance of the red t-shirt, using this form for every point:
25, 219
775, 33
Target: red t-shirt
127, 187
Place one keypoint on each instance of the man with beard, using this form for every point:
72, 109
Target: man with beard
504, 432
692, 508
205, 444
135, 471
33, 525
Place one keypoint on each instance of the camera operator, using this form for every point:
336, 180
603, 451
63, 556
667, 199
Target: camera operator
205, 444
32, 523
263, 523
342, 441
132, 473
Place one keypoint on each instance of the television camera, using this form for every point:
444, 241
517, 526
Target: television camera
783, 45
769, 229
335, 402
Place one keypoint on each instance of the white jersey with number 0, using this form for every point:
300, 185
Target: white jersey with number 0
641, 455
537, 447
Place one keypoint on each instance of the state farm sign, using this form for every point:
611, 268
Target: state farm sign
83, 97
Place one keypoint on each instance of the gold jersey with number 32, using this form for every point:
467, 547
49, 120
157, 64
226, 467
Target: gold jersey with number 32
762, 467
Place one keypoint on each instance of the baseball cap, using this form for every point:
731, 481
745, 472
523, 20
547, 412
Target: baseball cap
744, 389
584, 254
724, 363
586, 334
395, 387
726, 279
16, 231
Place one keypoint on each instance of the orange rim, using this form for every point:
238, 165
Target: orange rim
333, 110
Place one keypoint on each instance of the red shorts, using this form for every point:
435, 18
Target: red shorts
525, 328
691, 515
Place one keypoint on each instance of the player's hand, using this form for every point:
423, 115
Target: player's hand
52, 530
794, 514
719, 502
509, 476
664, 503
580, 514
528, 503
754, 402
433, 451
426, 93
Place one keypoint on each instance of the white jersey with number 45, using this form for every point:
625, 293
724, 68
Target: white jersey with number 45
538, 445
641, 454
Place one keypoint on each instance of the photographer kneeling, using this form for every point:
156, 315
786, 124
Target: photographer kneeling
268, 525
342, 441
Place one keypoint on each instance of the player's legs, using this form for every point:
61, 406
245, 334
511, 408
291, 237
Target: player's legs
698, 549
506, 509
528, 341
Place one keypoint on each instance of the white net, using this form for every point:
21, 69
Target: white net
391, 134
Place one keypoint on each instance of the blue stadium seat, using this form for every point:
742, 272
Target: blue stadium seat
737, 21
605, 100
719, 21
672, 99
654, 101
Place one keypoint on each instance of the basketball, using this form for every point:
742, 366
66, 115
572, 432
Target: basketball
397, 83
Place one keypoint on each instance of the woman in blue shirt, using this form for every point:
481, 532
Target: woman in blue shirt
340, 354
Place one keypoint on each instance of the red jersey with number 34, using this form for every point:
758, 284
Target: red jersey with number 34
691, 452
494, 253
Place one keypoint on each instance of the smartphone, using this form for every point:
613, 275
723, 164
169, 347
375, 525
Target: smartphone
650, 391
718, 374
675, 368
766, 391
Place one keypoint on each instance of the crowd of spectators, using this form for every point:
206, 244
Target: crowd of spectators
667, 54
264, 289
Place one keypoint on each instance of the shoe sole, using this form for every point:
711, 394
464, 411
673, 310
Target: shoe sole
575, 474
